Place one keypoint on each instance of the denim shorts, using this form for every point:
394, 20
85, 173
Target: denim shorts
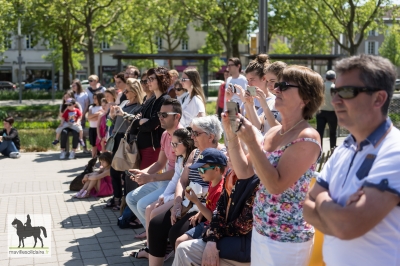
197, 231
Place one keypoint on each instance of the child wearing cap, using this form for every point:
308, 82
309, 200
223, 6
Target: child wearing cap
211, 166
71, 118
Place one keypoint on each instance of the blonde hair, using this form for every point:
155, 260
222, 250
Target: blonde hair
173, 72
135, 86
94, 77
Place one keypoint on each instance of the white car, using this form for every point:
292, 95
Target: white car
214, 84
84, 83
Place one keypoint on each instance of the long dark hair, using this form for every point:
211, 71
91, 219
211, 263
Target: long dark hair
184, 136
163, 77
194, 77
98, 96
71, 94
78, 84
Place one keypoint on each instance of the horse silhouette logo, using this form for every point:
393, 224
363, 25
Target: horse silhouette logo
24, 231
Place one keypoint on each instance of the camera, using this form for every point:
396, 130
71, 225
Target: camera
233, 89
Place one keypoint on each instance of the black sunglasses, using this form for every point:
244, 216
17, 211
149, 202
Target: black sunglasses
350, 92
178, 89
143, 81
91, 80
165, 114
70, 104
282, 86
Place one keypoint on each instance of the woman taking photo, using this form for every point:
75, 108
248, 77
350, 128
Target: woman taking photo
195, 105
9, 139
285, 163
132, 105
148, 128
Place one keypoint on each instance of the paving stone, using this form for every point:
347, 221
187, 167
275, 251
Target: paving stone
84, 248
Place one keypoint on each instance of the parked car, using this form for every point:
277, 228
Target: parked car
40, 84
84, 83
6, 85
397, 85
213, 84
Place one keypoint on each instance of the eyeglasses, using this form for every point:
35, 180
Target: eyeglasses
151, 79
175, 144
178, 89
202, 170
350, 92
165, 114
143, 81
91, 80
196, 134
230, 65
282, 86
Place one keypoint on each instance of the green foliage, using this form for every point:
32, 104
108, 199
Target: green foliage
279, 47
3, 114
24, 108
210, 108
36, 124
213, 46
29, 95
390, 47
6, 15
36, 140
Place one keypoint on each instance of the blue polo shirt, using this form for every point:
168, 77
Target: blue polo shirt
375, 164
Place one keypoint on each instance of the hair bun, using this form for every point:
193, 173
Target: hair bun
262, 58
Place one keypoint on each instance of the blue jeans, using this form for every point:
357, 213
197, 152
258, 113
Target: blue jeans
7, 147
143, 196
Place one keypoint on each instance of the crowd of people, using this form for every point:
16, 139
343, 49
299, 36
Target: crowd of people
247, 199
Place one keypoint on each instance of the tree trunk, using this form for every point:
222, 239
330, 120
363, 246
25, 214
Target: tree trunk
235, 49
228, 45
65, 64
353, 49
90, 48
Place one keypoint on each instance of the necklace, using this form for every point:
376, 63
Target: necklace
280, 131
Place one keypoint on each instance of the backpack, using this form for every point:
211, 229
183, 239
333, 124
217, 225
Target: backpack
126, 217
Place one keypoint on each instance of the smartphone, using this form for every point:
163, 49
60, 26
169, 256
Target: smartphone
233, 110
129, 174
233, 89
252, 90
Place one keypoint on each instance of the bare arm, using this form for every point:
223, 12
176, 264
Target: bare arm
99, 175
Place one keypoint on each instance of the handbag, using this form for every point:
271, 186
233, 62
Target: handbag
126, 157
235, 248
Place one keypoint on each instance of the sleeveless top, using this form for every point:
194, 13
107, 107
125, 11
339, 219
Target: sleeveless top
280, 216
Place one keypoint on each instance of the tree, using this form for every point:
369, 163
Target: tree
6, 15
352, 18
95, 16
390, 47
228, 19
279, 47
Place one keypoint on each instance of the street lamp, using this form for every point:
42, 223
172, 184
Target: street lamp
20, 61
101, 67
262, 26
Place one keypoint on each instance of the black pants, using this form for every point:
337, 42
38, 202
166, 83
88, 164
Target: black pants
116, 176
327, 117
160, 230
64, 137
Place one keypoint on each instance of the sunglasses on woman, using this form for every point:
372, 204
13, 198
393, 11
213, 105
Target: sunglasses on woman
143, 81
178, 89
202, 170
175, 144
165, 114
350, 92
282, 86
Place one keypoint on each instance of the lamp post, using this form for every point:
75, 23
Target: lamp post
20, 61
101, 67
262, 26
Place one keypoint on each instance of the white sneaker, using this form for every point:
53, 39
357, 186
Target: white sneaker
15, 155
62, 155
71, 155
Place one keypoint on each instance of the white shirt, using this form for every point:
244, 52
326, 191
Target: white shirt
169, 192
92, 110
276, 114
190, 109
242, 82
183, 97
376, 164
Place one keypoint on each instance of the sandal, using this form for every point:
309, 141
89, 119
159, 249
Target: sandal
85, 194
117, 204
141, 235
136, 225
110, 203
135, 254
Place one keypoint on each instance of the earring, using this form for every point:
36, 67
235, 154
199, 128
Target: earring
191, 86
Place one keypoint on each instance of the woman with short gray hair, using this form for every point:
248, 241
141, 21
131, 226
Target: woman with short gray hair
206, 132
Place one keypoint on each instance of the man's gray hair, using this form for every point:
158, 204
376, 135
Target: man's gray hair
210, 124
375, 72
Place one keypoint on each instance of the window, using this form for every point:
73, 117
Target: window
159, 43
104, 45
371, 47
7, 42
373, 33
29, 40
185, 45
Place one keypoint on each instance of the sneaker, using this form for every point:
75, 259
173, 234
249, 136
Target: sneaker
15, 155
82, 142
62, 155
71, 155
79, 194
55, 142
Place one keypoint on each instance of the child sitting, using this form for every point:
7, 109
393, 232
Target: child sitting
71, 118
211, 166
100, 180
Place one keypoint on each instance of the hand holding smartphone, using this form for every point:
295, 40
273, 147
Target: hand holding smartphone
252, 90
232, 87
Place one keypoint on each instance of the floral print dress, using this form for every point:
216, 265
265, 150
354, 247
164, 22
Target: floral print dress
280, 217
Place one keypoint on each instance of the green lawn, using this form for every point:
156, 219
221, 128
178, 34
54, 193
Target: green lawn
37, 140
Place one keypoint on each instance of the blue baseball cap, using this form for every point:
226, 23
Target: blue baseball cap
210, 155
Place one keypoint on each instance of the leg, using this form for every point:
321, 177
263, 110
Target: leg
92, 184
321, 123
180, 228
157, 235
41, 240
181, 239
149, 209
116, 184
81, 134
35, 238
5, 147
189, 253
133, 197
332, 122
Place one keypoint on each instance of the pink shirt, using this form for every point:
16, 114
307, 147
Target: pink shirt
167, 148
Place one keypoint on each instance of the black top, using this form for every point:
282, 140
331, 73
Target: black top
149, 133
13, 136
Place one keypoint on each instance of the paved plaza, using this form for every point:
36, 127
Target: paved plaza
83, 233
